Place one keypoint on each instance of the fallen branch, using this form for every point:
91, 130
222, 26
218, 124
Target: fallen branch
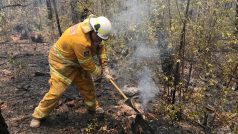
41, 74
15, 5
2, 63
13, 57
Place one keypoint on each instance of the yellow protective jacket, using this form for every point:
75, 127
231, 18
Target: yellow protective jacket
74, 51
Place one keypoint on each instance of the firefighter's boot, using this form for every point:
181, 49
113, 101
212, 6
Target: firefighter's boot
35, 123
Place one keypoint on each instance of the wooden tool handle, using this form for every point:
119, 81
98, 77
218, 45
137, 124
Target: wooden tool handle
115, 85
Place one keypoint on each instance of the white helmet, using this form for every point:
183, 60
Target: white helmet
102, 26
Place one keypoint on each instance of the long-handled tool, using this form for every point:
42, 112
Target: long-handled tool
139, 121
129, 101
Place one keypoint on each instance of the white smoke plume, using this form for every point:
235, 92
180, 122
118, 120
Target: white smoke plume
146, 52
147, 87
135, 15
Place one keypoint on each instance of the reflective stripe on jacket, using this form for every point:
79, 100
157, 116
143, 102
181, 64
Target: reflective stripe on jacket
73, 50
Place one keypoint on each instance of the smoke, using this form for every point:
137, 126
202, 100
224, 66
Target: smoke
146, 52
135, 13
132, 23
147, 87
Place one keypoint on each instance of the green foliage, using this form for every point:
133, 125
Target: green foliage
92, 126
172, 112
2, 20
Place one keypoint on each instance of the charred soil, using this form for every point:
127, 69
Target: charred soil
24, 78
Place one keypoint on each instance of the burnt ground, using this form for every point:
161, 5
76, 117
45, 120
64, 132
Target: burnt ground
24, 78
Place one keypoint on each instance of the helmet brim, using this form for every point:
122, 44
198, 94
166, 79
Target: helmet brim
92, 22
102, 37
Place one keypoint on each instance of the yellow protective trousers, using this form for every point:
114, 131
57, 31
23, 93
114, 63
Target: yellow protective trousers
84, 85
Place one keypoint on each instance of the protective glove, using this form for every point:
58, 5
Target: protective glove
106, 74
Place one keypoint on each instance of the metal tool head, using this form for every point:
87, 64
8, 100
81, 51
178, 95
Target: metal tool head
131, 103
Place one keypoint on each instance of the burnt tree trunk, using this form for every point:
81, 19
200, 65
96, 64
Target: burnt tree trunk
3, 125
166, 58
189, 76
57, 18
180, 62
176, 81
50, 17
49, 9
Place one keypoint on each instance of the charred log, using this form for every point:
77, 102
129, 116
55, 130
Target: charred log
141, 126
3, 125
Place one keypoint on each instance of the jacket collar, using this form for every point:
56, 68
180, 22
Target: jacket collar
86, 27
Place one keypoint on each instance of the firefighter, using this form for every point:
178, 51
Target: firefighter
71, 62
